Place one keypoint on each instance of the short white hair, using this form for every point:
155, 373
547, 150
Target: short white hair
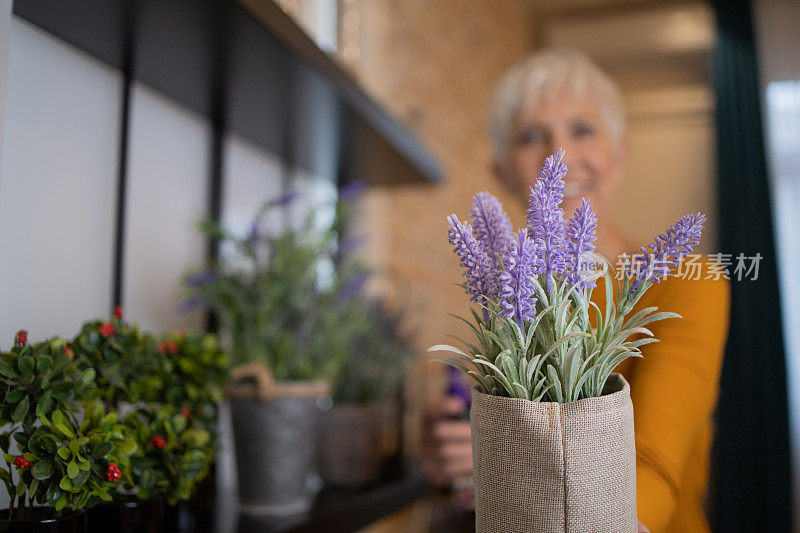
540, 75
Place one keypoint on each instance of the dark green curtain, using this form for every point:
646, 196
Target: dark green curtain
751, 476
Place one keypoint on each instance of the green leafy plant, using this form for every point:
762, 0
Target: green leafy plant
197, 372
69, 464
269, 294
376, 352
38, 379
59, 461
172, 456
173, 385
127, 365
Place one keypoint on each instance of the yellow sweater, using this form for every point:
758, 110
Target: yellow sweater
674, 390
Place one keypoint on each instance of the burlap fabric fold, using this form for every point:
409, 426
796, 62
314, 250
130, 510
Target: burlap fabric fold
545, 467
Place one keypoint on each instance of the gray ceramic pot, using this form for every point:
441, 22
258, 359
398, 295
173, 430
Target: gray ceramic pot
275, 442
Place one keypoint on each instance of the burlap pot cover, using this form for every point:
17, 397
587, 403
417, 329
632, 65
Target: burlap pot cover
546, 467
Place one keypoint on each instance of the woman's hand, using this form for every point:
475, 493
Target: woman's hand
447, 452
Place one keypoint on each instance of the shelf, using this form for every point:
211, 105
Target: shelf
252, 70
338, 511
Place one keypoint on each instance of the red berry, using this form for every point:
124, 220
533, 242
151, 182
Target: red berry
21, 462
21, 339
118, 312
185, 412
158, 441
112, 472
69, 352
171, 346
106, 330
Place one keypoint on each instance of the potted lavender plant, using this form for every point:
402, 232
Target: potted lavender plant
552, 426
361, 429
270, 300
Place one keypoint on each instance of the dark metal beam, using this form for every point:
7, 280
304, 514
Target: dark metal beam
128, 44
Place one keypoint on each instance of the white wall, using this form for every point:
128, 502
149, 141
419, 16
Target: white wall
58, 179
167, 195
252, 177
57, 183
5, 29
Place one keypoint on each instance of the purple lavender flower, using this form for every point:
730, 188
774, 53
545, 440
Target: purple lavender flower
457, 387
203, 278
352, 287
667, 250
352, 190
545, 218
517, 298
189, 304
581, 234
491, 226
283, 200
254, 234
351, 244
481, 282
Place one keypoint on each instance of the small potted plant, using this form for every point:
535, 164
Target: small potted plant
60, 463
123, 358
552, 426
194, 385
171, 459
196, 376
361, 428
266, 297
128, 371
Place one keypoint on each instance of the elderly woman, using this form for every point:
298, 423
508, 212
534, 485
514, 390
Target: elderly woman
558, 98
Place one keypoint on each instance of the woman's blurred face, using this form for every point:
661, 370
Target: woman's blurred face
594, 158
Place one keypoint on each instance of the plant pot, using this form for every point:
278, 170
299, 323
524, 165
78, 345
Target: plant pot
195, 515
351, 449
179, 518
275, 442
43, 520
135, 516
203, 502
545, 466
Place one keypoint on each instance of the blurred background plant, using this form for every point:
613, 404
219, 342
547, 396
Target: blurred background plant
167, 390
277, 296
172, 457
377, 353
125, 360
197, 373
361, 431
